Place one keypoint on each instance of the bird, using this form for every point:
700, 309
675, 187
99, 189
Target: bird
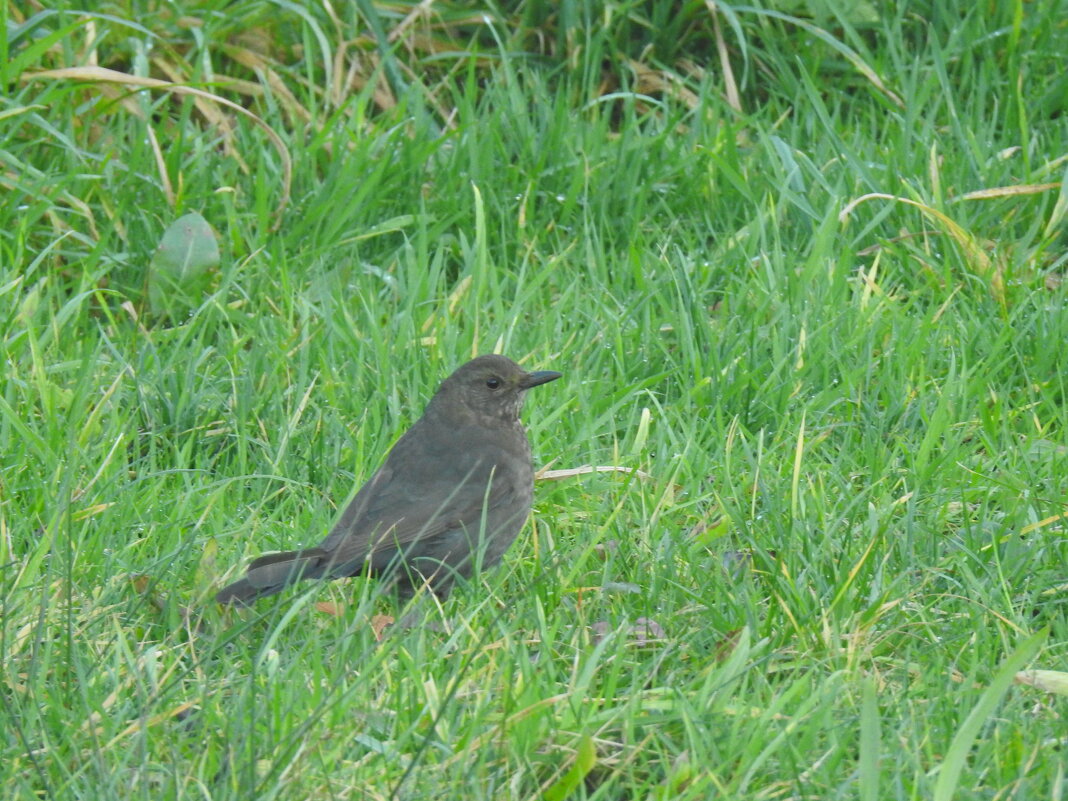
451, 496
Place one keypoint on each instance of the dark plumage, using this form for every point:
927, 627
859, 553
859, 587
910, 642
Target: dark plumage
458, 483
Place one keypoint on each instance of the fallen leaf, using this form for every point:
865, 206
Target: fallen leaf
179, 270
606, 548
645, 630
187, 249
599, 630
1051, 681
140, 583
378, 625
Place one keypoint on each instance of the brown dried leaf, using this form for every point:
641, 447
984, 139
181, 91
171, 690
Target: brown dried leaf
378, 625
606, 548
140, 584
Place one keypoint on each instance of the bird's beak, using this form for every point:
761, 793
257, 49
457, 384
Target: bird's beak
540, 377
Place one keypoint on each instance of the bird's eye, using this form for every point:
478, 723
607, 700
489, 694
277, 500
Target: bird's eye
493, 383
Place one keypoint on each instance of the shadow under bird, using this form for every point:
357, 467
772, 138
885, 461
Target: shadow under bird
453, 493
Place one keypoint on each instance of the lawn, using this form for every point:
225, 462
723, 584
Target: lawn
801, 265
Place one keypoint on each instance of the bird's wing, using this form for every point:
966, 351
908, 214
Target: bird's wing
415, 496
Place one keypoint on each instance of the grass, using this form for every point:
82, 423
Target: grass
817, 300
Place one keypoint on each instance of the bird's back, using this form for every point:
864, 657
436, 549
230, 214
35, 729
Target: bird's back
442, 492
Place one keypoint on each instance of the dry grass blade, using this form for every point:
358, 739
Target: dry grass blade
650, 80
555, 475
104, 75
734, 99
258, 64
1006, 191
161, 166
977, 258
846, 52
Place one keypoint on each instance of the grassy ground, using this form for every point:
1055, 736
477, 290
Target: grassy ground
816, 298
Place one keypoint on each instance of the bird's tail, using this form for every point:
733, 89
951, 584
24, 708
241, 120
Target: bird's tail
273, 573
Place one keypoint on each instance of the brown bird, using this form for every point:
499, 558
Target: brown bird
452, 495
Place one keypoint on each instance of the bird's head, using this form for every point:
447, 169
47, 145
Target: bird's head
489, 389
